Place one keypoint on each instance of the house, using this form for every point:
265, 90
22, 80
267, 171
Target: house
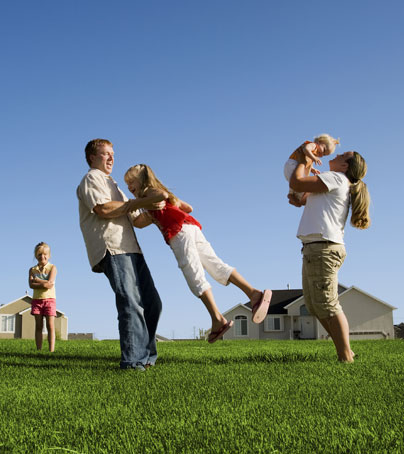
288, 318
80, 336
16, 321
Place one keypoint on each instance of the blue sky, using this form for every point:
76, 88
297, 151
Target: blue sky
214, 96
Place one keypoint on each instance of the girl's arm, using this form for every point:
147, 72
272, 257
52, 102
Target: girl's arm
34, 282
151, 201
308, 150
301, 183
115, 209
52, 277
143, 220
31, 278
184, 206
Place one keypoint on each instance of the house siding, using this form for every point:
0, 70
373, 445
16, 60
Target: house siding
276, 335
379, 317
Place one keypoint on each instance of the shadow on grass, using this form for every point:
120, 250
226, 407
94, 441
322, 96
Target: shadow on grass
58, 361
247, 359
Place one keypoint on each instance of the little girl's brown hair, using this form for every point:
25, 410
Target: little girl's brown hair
148, 179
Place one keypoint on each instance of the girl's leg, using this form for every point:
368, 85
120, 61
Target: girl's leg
50, 325
238, 280
185, 250
218, 321
338, 329
38, 331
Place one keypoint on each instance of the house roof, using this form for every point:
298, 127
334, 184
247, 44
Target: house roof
24, 297
353, 287
280, 299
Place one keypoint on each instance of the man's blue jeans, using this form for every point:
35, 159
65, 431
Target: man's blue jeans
138, 304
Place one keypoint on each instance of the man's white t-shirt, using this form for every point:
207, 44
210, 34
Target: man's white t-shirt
325, 213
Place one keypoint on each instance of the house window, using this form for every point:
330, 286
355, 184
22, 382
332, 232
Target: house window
273, 323
241, 325
7, 323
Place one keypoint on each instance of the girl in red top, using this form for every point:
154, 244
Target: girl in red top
193, 252
323, 145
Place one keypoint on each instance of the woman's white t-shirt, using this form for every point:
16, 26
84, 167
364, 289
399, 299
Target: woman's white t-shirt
325, 213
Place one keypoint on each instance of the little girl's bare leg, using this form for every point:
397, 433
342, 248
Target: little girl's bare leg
238, 280
38, 331
218, 321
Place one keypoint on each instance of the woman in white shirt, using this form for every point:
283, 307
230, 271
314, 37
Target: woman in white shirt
321, 230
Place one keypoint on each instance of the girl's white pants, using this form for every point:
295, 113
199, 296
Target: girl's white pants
194, 255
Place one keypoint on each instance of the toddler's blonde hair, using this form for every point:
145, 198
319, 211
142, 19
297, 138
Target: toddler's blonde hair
329, 142
148, 179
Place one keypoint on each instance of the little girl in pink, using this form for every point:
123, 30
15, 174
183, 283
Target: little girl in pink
41, 279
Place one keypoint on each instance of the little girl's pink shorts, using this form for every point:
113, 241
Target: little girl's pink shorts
46, 306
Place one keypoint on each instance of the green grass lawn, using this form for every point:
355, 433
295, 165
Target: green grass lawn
229, 397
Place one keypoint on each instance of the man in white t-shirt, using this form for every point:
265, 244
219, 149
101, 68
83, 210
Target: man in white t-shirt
106, 217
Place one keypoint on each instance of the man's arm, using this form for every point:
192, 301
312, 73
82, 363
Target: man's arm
115, 209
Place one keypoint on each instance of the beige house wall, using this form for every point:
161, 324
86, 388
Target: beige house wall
28, 326
366, 314
61, 328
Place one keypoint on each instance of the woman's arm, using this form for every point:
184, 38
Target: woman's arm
300, 183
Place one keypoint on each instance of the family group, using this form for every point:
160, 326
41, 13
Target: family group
107, 218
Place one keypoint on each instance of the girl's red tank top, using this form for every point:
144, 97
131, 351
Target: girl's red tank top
171, 219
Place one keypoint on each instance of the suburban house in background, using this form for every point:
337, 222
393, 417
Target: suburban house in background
16, 321
288, 318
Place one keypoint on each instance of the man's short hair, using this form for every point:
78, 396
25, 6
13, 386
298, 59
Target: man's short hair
93, 146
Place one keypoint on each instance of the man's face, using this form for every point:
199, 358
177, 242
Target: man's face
104, 159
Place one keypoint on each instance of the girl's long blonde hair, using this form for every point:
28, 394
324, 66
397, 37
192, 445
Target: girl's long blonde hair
360, 198
147, 179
